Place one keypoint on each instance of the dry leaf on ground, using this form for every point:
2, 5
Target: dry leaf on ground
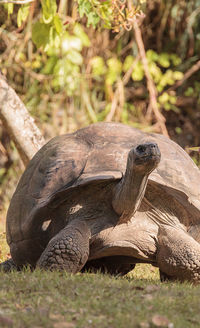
161, 321
64, 324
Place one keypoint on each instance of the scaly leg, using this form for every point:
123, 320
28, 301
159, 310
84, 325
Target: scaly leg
68, 250
178, 254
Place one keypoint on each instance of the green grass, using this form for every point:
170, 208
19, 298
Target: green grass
4, 249
60, 300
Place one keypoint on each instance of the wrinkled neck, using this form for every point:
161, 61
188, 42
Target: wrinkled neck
129, 192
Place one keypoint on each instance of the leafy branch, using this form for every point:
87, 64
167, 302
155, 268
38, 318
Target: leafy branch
153, 104
61, 42
111, 14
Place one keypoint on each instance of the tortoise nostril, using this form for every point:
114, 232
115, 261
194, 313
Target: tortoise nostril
154, 149
153, 145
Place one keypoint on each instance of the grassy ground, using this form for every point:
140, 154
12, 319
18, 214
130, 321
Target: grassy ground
4, 249
59, 300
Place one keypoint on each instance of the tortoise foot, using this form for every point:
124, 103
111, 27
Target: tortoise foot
8, 266
68, 250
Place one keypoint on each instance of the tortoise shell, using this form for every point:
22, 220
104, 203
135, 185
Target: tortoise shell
95, 153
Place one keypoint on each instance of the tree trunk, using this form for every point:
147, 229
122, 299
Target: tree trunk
20, 125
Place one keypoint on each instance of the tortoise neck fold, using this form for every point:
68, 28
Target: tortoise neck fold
129, 193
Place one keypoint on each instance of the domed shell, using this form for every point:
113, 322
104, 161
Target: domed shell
97, 152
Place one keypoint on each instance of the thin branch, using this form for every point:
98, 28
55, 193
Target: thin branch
187, 75
150, 84
113, 108
18, 122
163, 23
121, 100
128, 74
88, 106
63, 6
2, 149
120, 94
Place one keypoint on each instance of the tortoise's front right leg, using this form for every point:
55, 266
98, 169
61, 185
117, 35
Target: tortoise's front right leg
178, 255
68, 250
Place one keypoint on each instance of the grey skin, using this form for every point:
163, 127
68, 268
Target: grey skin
101, 198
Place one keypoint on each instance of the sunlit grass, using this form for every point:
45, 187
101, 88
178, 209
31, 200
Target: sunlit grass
4, 249
144, 271
60, 300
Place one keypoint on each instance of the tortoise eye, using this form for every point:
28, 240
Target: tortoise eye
141, 148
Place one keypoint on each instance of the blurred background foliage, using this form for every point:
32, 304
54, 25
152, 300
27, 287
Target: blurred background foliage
77, 62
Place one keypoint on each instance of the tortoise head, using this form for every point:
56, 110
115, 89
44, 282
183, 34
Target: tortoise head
144, 157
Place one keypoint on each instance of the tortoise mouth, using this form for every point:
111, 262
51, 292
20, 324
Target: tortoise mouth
155, 158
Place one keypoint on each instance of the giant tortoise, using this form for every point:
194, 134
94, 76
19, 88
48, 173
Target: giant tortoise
107, 196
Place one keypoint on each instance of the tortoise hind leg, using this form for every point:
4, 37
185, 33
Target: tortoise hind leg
68, 250
113, 265
178, 254
165, 277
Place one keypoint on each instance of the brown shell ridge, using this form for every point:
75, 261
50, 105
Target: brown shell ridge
41, 178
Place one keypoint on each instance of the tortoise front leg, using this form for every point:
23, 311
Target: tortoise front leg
178, 254
68, 250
